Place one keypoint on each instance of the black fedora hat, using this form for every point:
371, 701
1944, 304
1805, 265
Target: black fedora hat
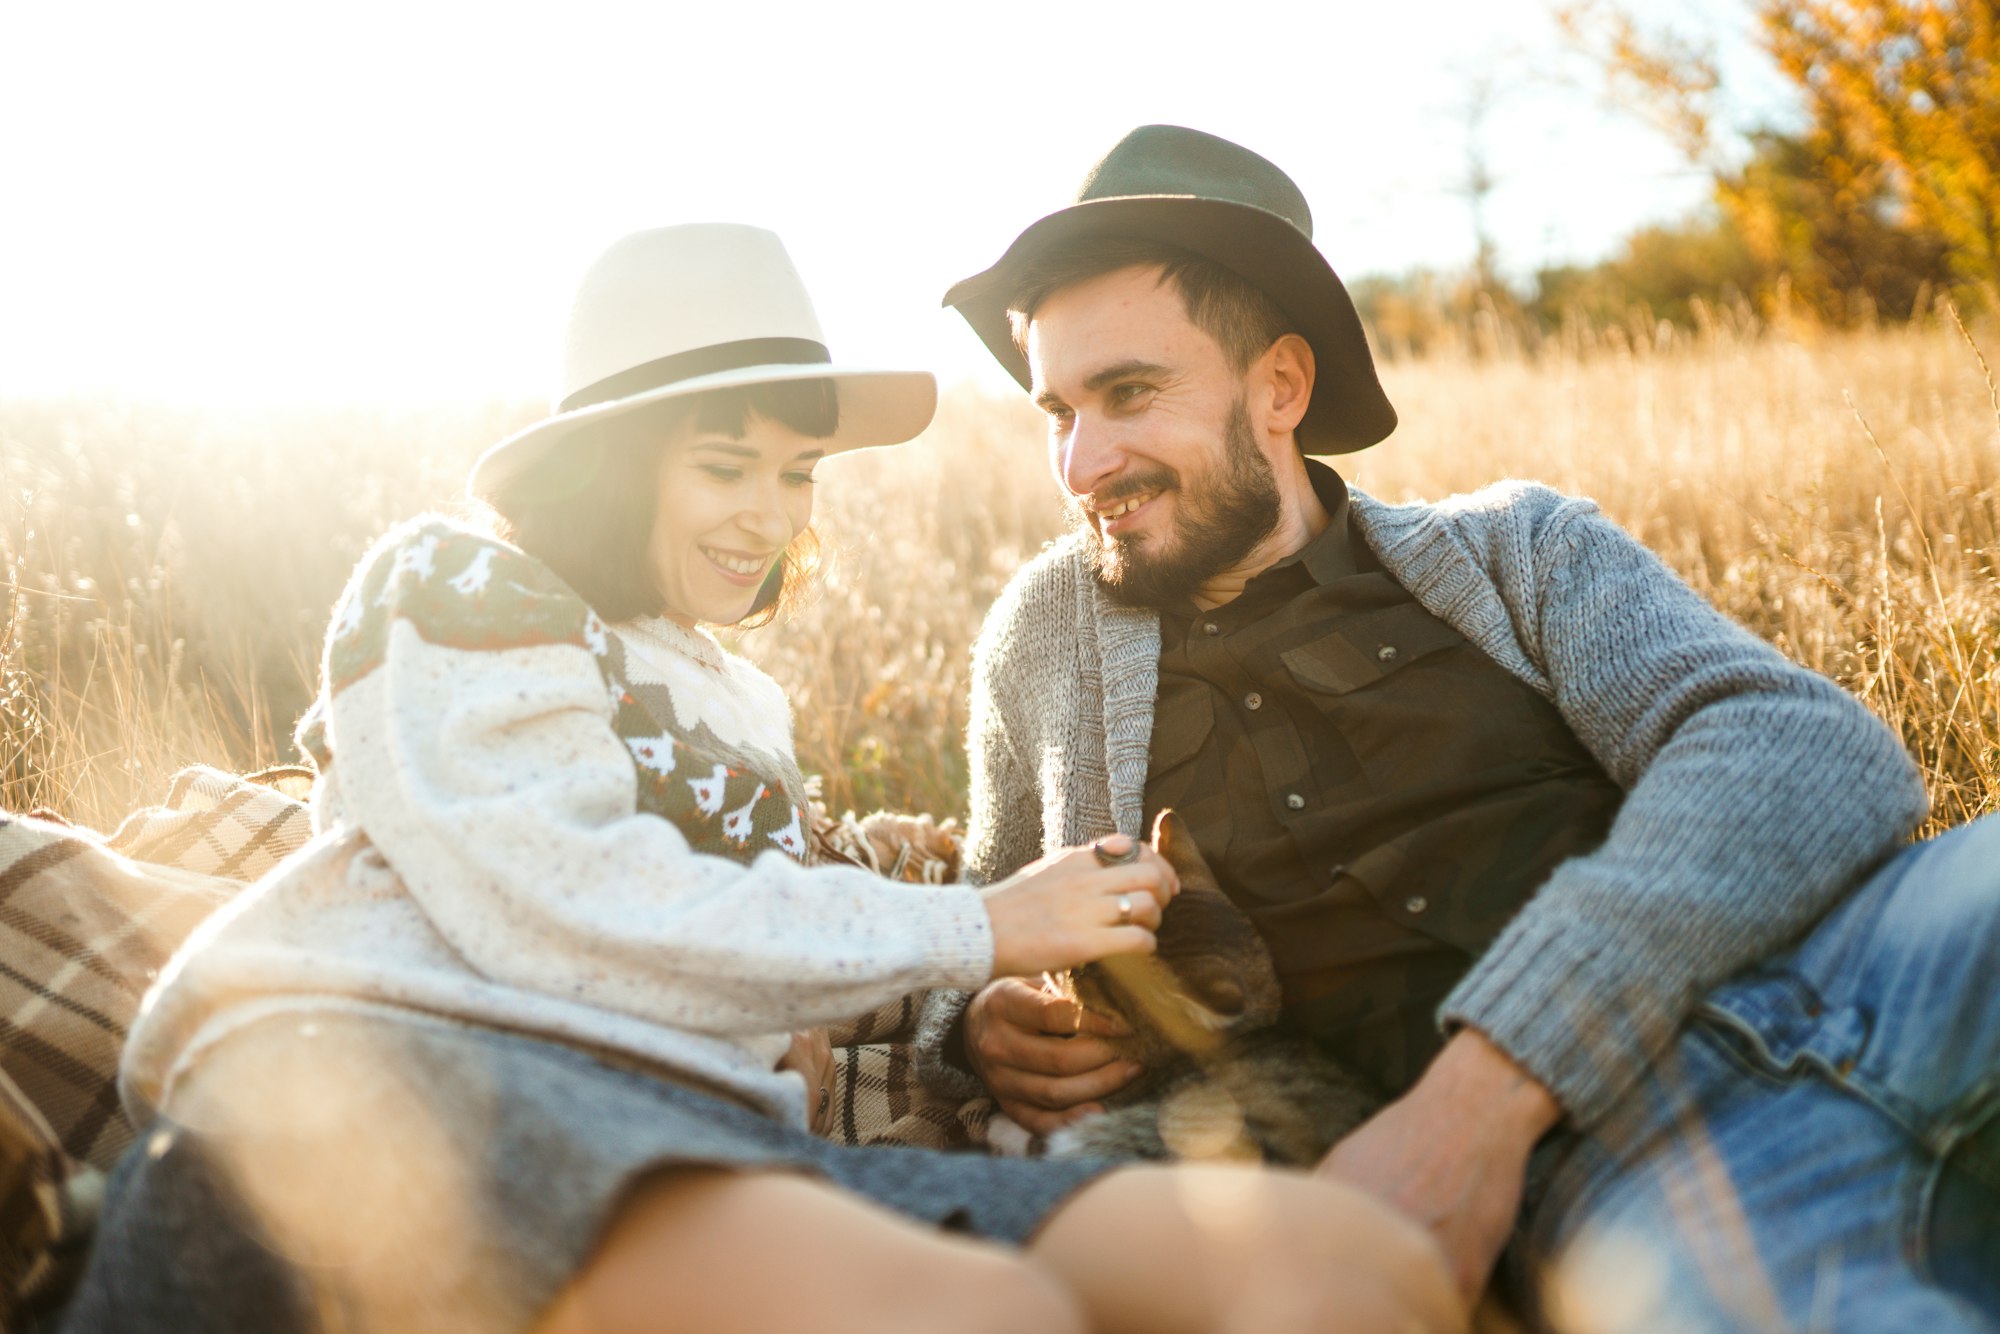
1223, 202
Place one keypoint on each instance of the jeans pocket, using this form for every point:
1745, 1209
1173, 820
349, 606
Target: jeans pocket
1742, 1050
1775, 1026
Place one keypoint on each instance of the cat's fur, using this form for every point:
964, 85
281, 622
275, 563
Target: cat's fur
1219, 1081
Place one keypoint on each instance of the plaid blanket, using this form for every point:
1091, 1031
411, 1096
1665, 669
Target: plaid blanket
84, 929
877, 1098
233, 826
87, 922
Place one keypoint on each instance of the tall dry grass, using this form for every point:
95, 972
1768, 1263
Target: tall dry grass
1838, 495
170, 570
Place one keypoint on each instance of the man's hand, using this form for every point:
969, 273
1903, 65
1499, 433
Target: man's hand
1452, 1153
1042, 1055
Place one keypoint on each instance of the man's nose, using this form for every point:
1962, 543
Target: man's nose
1089, 455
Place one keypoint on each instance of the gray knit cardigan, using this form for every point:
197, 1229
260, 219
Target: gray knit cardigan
1757, 791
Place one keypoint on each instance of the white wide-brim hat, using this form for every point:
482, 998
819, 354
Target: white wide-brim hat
682, 310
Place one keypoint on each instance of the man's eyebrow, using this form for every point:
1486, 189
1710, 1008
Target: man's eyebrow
1124, 370
1048, 399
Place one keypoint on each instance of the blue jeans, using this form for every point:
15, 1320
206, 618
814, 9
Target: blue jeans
1821, 1148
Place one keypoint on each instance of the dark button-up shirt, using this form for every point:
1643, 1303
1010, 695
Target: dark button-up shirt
1375, 792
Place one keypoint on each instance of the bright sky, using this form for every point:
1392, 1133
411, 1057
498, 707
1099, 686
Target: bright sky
273, 202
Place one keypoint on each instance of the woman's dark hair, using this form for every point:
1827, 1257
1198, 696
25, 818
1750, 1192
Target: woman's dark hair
586, 509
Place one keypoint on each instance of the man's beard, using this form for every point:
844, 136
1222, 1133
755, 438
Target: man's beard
1217, 522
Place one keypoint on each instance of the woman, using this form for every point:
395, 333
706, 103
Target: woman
505, 1046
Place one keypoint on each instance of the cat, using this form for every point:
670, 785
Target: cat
1220, 1079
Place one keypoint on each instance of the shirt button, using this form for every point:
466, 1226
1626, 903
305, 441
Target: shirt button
1253, 701
1387, 653
1210, 628
1295, 801
1338, 871
1416, 904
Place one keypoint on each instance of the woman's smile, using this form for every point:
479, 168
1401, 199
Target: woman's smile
736, 566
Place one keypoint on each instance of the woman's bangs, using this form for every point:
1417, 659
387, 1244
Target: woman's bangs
810, 407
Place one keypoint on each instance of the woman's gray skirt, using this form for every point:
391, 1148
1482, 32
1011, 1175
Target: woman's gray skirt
343, 1171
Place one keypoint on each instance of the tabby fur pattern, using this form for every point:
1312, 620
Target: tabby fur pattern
1220, 1079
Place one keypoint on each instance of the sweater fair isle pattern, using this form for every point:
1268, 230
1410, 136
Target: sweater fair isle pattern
1757, 791
529, 819
459, 590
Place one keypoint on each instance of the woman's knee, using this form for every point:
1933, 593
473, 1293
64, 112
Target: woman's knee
1348, 1262
757, 1251
977, 1290
1207, 1248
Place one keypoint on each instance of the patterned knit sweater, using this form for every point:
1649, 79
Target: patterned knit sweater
1757, 791
531, 820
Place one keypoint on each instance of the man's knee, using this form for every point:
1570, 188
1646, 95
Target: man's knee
1936, 904
1946, 910
1961, 868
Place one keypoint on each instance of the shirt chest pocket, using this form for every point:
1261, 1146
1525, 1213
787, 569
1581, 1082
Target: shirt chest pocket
1413, 702
1368, 648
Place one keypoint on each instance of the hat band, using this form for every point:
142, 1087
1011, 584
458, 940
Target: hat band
663, 371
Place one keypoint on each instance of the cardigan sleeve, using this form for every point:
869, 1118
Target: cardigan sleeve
1758, 792
470, 725
1004, 806
1004, 825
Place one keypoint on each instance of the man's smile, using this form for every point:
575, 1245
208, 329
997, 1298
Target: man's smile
1117, 515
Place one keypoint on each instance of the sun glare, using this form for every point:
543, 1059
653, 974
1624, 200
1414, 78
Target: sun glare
255, 203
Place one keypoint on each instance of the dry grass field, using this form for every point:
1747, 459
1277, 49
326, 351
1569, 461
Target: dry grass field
169, 571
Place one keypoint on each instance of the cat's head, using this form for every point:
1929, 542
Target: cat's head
1211, 977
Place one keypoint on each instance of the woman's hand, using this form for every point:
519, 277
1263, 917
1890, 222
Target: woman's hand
1069, 908
812, 1056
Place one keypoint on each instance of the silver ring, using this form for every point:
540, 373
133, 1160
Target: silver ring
1124, 909
1105, 857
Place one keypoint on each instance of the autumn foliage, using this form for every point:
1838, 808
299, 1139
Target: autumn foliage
1886, 192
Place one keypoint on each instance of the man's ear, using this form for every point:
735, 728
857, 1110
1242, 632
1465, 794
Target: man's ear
1288, 372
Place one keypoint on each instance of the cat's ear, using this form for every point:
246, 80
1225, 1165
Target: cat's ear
1173, 842
1221, 993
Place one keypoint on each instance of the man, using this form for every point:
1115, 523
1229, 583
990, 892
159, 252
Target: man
1532, 831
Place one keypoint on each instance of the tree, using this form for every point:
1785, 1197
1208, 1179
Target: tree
1894, 181
1663, 269
1908, 92
1823, 220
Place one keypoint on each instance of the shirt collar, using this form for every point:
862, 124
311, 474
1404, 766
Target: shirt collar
1329, 556
1325, 558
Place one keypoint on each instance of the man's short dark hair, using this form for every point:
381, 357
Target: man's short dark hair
1238, 315
586, 510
